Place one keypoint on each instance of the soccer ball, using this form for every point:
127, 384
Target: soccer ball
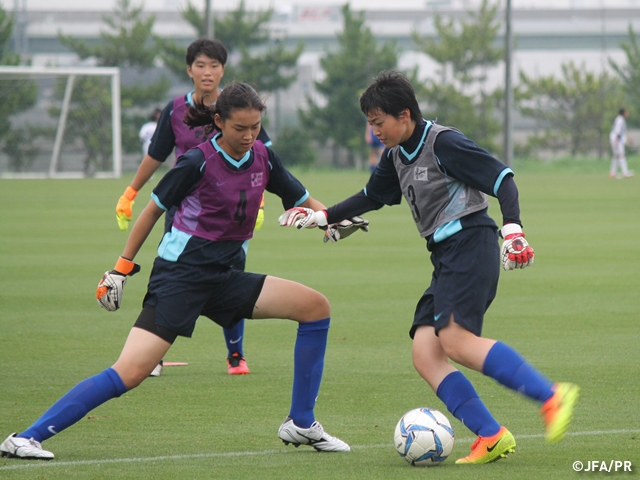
424, 437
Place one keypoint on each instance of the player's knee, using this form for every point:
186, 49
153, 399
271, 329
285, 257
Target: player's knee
430, 368
134, 377
452, 348
318, 307
454, 354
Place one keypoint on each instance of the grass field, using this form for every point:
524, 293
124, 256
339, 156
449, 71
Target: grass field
574, 314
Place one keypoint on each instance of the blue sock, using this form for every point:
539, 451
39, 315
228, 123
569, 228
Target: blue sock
78, 401
308, 363
507, 367
234, 336
462, 400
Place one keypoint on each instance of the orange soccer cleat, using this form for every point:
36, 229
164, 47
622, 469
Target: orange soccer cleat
558, 410
490, 449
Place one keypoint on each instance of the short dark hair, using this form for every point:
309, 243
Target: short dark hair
391, 93
211, 48
622, 111
237, 96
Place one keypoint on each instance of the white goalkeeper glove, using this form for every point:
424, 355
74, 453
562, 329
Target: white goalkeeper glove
516, 252
111, 286
303, 218
345, 228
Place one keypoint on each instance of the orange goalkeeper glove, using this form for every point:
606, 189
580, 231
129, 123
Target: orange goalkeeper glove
123, 209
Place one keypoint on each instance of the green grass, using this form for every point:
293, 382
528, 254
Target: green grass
565, 165
573, 315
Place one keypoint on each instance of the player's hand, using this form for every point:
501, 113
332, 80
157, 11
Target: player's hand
516, 252
313, 220
303, 218
345, 228
111, 286
124, 208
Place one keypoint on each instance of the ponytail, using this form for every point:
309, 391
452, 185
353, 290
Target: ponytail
200, 115
237, 96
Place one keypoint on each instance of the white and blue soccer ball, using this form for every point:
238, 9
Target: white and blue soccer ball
424, 437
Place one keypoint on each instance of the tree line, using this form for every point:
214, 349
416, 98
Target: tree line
572, 113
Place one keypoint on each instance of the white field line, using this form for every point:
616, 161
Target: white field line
23, 464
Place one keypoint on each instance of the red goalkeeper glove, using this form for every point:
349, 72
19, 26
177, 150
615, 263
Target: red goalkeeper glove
301, 217
516, 252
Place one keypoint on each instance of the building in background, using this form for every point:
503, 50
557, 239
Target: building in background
547, 33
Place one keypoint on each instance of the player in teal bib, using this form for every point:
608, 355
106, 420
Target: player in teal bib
445, 179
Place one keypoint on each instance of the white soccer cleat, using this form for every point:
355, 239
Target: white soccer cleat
156, 372
19, 447
314, 436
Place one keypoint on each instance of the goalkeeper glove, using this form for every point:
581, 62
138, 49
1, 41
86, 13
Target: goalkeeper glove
345, 228
123, 209
109, 291
260, 219
303, 218
313, 220
516, 252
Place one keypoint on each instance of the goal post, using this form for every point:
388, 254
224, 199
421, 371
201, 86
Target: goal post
58, 122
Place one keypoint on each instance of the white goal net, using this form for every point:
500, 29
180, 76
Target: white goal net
60, 122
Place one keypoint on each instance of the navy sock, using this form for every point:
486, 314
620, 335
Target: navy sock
507, 367
78, 401
308, 364
234, 336
462, 400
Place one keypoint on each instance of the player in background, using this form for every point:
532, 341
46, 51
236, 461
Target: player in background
205, 65
148, 129
445, 179
618, 139
217, 188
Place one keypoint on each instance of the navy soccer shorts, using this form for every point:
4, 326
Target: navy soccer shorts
466, 268
178, 294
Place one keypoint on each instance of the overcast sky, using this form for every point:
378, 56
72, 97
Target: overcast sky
155, 5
